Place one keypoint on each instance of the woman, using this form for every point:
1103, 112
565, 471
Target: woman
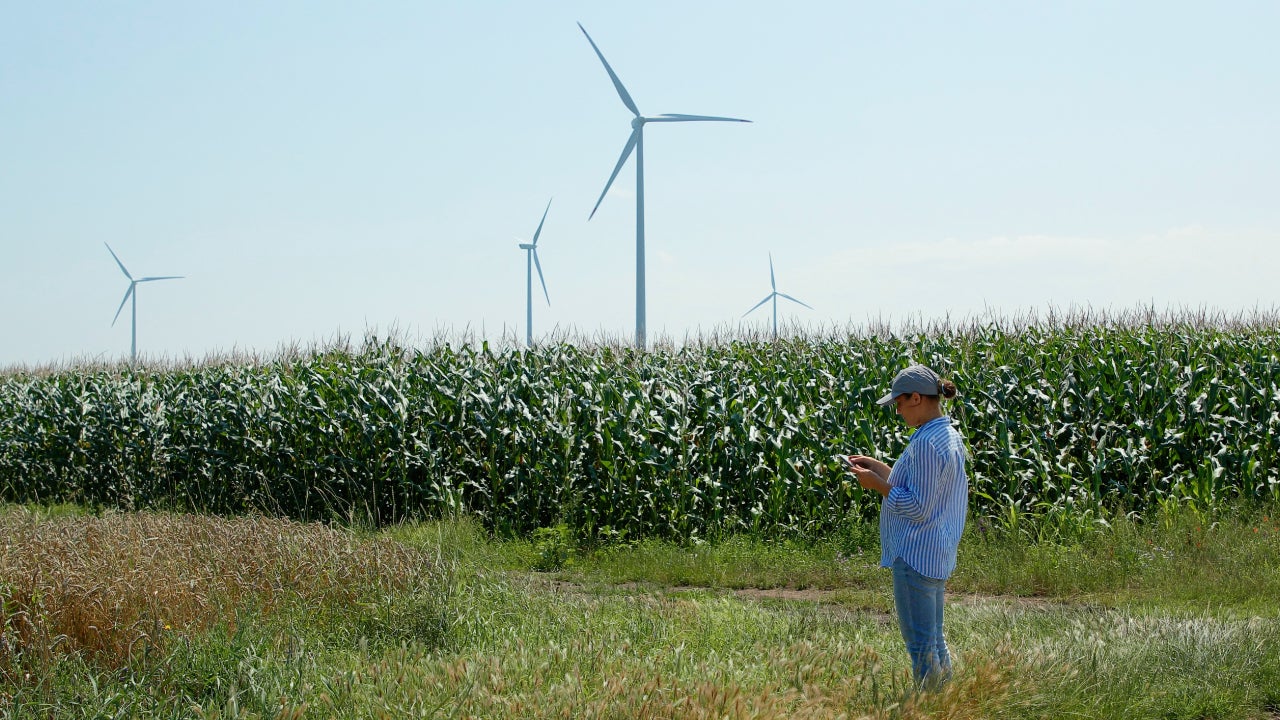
922, 514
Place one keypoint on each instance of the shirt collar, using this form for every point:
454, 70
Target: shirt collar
940, 419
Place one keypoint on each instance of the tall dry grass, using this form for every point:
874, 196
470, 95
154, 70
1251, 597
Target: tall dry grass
120, 586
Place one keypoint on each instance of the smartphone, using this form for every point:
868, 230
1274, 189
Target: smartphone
843, 459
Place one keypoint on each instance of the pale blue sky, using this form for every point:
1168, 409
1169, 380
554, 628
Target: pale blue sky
322, 167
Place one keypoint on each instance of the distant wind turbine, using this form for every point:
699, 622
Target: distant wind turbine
133, 293
774, 297
636, 142
531, 261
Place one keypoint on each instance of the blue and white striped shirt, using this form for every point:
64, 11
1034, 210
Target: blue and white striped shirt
923, 515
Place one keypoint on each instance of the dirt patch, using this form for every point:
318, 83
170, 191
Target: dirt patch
805, 595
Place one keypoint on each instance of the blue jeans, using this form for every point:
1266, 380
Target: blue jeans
919, 603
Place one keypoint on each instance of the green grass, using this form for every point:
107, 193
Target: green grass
1175, 617
1176, 559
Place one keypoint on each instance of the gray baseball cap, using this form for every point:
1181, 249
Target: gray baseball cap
915, 379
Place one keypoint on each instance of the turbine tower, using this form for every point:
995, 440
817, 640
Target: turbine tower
774, 297
636, 142
531, 261
132, 293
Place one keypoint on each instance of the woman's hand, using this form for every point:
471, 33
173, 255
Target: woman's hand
880, 469
871, 473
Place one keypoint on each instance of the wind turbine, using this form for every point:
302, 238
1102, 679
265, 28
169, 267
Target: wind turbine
774, 297
636, 142
132, 292
531, 261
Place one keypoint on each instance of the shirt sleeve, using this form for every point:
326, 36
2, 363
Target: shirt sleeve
918, 491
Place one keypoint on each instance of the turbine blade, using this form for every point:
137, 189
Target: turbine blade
766, 299
538, 232
113, 254
540, 278
672, 117
622, 91
127, 293
772, 283
165, 277
795, 300
626, 153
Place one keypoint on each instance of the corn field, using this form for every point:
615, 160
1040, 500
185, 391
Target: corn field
709, 438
